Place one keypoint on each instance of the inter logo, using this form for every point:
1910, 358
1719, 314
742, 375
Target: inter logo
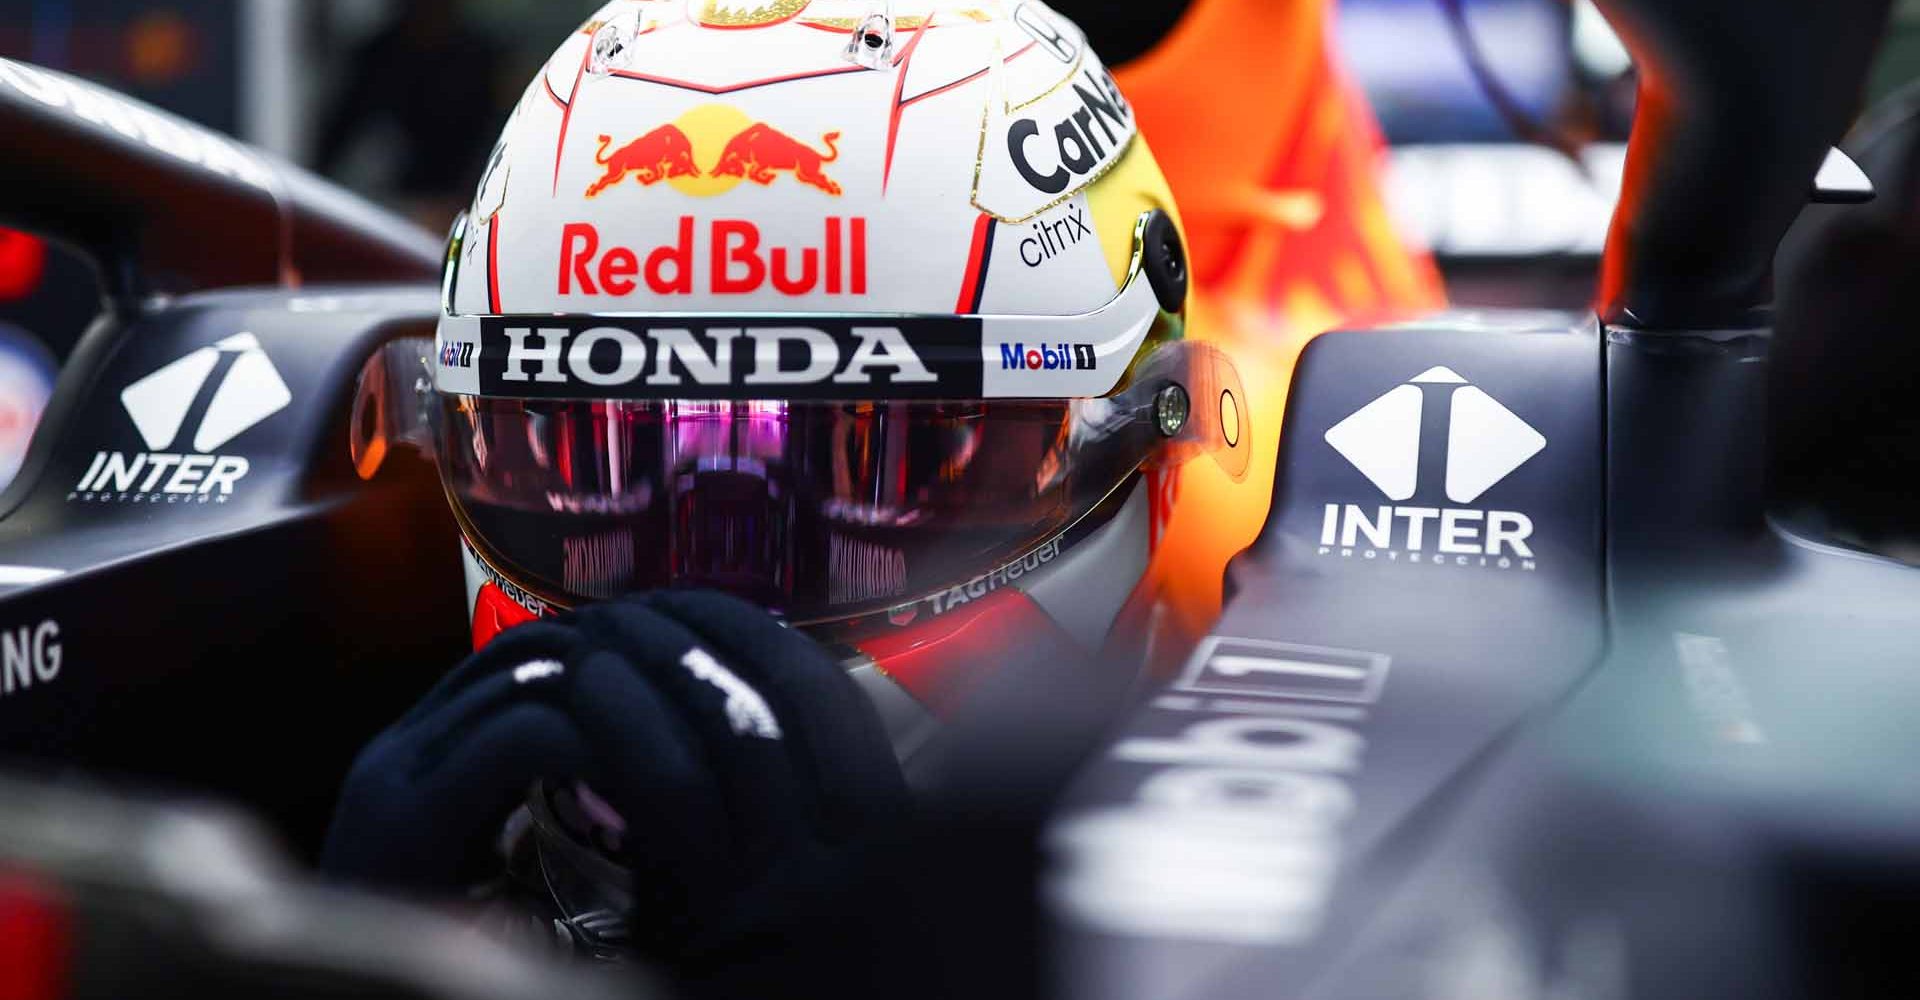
1484, 443
232, 386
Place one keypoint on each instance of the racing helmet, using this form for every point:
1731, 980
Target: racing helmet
872, 313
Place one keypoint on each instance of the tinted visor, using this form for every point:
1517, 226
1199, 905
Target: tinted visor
821, 511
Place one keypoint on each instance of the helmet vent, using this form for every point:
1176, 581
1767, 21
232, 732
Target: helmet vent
872, 42
613, 45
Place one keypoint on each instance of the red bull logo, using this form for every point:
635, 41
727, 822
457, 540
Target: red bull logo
712, 149
660, 154
760, 153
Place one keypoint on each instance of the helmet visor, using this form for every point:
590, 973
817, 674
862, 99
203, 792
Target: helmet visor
819, 510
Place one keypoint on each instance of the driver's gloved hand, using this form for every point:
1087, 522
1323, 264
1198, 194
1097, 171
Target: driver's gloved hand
751, 771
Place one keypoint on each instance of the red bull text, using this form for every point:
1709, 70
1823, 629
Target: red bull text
736, 261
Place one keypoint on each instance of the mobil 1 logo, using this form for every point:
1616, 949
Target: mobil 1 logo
1245, 769
1247, 668
1048, 357
1433, 446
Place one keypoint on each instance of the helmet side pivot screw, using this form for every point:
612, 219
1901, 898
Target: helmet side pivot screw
1165, 259
1171, 408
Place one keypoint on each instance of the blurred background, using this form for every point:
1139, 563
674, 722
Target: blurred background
401, 100
1506, 123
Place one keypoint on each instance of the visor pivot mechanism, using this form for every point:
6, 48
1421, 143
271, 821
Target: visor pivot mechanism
872, 42
1165, 259
1171, 409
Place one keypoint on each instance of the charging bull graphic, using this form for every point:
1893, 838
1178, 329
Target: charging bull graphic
663, 153
710, 150
762, 150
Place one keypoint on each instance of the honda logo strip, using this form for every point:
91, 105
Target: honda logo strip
797, 356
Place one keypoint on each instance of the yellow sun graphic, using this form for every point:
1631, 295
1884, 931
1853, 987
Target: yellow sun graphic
709, 128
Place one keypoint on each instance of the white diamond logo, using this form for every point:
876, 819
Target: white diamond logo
1383, 441
159, 403
1486, 442
251, 391
1438, 375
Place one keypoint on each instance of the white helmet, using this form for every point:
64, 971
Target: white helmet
863, 310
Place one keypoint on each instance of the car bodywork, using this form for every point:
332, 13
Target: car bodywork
217, 594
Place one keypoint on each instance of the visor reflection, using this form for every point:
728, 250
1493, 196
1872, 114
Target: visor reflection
818, 510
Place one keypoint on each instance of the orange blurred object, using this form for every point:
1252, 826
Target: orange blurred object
161, 48
1276, 160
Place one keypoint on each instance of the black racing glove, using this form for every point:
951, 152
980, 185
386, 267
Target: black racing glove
751, 771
